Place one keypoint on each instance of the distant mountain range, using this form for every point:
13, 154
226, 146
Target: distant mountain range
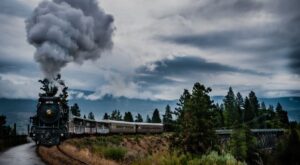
19, 110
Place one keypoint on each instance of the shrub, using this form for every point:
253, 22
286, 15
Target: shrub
114, 153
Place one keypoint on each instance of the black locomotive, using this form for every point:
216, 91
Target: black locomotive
53, 122
49, 125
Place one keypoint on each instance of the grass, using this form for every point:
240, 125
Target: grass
114, 153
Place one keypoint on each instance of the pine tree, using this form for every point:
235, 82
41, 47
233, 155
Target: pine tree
254, 103
138, 118
128, 117
148, 119
116, 115
263, 106
197, 134
2, 120
91, 116
179, 111
156, 116
217, 116
167, 119
84, 116
231, 109
248, 113
75, 110
282, 116
106, 116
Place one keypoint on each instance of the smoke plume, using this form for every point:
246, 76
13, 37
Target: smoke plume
66, 31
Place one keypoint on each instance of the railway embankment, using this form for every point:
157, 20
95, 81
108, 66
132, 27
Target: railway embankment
106, 150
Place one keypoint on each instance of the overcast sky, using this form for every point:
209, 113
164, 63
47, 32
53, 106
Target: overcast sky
161, 47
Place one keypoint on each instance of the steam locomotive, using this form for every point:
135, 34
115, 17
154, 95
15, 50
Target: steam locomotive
49, 125
53, 122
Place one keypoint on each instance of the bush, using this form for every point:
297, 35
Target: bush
114, 153
215, 158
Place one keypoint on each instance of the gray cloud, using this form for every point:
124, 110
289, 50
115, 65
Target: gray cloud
278, 39
14, 8
220, 9
184, 67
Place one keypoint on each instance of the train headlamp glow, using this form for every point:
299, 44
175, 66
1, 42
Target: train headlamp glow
49, 112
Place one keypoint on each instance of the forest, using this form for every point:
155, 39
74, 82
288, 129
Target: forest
194, 120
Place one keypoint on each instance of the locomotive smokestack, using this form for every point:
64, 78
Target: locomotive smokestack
66, 31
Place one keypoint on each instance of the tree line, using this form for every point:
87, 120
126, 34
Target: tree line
197, 118
116, 115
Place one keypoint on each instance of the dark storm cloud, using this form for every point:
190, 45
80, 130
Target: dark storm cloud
183, 67
268, 40
14, 8
221, 8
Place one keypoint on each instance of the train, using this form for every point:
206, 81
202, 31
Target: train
53, 123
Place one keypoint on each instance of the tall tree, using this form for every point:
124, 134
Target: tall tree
282, 116
156, 116
231, 110
128, 117
2, 120
75, 110
197, 134
91, 116
116, 115
263, 106
180, 109
106, 116
138, 118
148, 119
217, 116
167, 119
248, 113
254, 104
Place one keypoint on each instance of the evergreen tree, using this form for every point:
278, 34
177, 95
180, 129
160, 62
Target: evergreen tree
248, 113
240, 105
282, 116
91, 116
84, 116
167, 119
243, 145
116, 115
2, 120
128, 117
254, 104
75, 110
231, 111
197, 134
139, 118
217, 116
179, 111
106, 116
156, 116
263, 106
239, 99
148, 119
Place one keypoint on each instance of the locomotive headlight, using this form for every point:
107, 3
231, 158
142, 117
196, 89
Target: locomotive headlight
49, 112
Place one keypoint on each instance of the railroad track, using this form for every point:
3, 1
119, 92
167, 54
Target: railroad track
71, 157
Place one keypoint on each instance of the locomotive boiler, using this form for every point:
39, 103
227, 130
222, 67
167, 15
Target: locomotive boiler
49, 125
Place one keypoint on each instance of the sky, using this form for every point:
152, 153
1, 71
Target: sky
162, 47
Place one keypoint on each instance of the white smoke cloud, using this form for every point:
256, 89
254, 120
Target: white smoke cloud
66, 31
